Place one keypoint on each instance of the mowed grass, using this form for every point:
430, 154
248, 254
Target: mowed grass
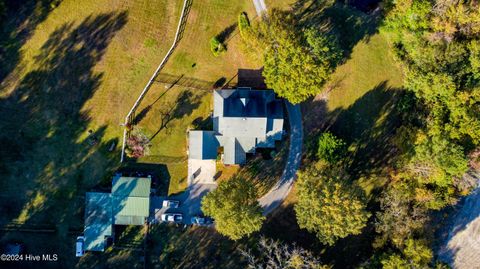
209, 18
165, 116
81, 70
370, 64
360, 107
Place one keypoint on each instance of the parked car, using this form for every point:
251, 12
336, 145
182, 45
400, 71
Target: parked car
201, 221
80, 246
172, 217
170, 203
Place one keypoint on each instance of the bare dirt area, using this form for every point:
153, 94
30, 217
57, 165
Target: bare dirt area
461, 244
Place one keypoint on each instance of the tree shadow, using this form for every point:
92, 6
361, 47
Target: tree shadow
368, 126
192, 248
17, 26
56, 162
185, 104
346, 23
224, 36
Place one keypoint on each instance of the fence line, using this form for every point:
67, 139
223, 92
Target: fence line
178, 36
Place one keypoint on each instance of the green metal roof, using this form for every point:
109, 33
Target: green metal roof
131, 206
131, 186
128, 204
98, 220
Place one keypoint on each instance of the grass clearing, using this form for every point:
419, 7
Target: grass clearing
173, 247
193, 57
81, 68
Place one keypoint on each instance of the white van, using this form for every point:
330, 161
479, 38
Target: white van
80, 246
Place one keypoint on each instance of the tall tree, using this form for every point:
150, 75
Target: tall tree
296, 62
234, 207
275, 255
438, 41
329, 207
400, 217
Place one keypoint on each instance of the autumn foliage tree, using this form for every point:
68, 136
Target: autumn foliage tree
234, 207
328, 206
138, 144
297, 61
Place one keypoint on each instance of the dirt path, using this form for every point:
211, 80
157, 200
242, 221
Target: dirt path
461, 247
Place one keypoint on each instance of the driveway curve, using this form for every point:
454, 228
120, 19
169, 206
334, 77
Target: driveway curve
279, 192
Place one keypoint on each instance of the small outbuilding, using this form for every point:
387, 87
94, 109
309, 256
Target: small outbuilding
127, 204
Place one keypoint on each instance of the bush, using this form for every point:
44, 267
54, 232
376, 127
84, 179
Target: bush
138, 144
216, 46
330, 148
243, 24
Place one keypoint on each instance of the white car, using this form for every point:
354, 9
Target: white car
172, 217
170, 203
80, 246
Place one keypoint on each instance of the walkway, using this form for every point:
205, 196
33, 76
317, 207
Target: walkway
279, 192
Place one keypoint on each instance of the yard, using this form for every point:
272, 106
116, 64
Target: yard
356, 104
71, 73
74, 72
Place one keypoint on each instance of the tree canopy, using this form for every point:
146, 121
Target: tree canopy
330, 148
275, 255
329, 207
234, 207
297, 62
439, 44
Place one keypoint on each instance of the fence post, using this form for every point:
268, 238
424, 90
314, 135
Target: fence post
152, 79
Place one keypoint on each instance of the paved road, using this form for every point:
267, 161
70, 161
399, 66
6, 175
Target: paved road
461, 246
260, 7
279, 192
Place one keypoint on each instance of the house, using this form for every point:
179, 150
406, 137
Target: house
127, 204
243, 120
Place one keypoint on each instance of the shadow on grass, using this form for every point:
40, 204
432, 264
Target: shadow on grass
17, 26
202, 248
55, 161
185, 104
368, 127
348, 24
224, 35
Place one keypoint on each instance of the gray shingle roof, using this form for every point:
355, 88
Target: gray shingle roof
202, 145
243, 119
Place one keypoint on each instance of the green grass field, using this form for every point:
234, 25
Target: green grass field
209, 18
79, 69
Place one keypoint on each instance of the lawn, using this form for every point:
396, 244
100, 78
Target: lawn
358, 105
358, 108
70, 74
174, 247
209, 18
165, 115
